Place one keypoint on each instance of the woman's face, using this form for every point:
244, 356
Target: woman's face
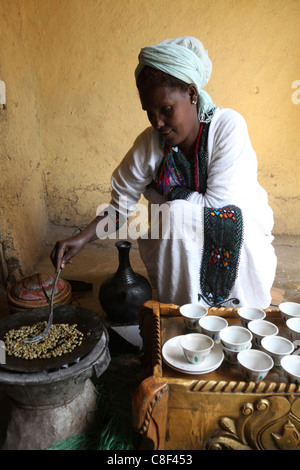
171, 112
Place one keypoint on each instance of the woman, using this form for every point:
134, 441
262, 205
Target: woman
214, 244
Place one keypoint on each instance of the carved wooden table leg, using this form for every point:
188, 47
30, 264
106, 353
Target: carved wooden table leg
150, 408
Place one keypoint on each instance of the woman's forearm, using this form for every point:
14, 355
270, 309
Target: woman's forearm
65, 250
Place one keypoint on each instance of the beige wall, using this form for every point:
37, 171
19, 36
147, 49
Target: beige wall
23, 211
73, 109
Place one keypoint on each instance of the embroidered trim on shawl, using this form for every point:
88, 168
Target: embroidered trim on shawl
202, 160
117, 218
223, 238
179, 193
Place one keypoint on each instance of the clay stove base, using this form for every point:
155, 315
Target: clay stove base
46, 407
38, 428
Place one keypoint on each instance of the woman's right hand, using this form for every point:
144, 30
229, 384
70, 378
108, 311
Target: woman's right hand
65, 250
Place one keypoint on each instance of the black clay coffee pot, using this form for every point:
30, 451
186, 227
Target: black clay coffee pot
124, 292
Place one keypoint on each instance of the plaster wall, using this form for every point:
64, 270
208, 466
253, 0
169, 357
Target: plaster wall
23, 210
72, 63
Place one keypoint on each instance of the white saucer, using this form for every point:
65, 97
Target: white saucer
173, 356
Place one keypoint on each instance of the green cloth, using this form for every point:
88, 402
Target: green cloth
186, 59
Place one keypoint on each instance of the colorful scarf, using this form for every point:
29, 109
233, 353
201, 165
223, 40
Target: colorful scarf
176, 177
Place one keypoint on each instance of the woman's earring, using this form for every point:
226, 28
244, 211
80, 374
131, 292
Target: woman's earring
194, 101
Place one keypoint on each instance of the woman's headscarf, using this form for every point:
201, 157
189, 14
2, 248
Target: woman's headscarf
184, 58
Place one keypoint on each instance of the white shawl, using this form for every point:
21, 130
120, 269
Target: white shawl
174, 264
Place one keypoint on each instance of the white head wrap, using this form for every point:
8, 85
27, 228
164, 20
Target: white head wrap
184, 58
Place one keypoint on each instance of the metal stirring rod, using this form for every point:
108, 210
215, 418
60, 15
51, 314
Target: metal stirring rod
50, 320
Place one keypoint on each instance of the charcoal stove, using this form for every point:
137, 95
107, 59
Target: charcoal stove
49, 399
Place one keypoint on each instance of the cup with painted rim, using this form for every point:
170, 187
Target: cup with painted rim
230, 355
293, 325
291, 366
191, 314
289, 310
260, 329
196, 347
211, 325
235, 337
248, 314
277, 347
254, 364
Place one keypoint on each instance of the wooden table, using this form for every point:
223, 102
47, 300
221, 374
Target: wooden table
218, 410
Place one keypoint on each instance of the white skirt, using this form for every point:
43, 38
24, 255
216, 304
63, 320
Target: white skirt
173, 252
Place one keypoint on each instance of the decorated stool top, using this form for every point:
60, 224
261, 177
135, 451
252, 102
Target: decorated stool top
36, 290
